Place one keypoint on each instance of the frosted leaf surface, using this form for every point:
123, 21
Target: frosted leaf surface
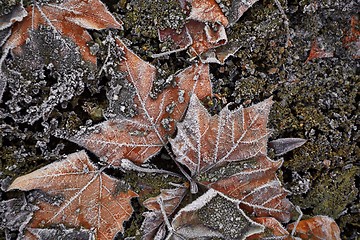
87, 197
17, 13
153, 224
227, 152
67, 19
213, 215
142, 136
46, 57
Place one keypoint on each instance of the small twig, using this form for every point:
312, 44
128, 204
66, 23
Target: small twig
298, 220
193, 186
129, 165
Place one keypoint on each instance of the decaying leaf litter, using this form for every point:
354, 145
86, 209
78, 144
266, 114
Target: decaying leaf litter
213, 103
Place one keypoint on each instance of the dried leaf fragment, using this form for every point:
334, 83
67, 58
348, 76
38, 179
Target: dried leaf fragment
213, 215
238, 8
67, 19
317, 52
89, 198
17, 14
317, 228
141, 137
284, 145
153, 225
204, 30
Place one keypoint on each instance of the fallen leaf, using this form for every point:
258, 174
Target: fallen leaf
238, 8
17, 14
351, 39
317, 52
316, 228
273, 230
46, 234
213, 215
68, 19
86, 196
284, 145
142, 136
204, 30
227, 152
153, 225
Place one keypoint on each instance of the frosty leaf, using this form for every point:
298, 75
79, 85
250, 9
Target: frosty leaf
68, 19
213, 215
15, 214
17, 14
141, 137
318, 52
153, 224
220, 54
228, 153
238, 8
45, 234
273, 230
317, 228
284, 145
87, 197
204, 141
204, 30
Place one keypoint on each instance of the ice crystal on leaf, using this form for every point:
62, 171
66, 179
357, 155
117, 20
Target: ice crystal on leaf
88, 197
142, 136
213, 215
68, 19
227, 152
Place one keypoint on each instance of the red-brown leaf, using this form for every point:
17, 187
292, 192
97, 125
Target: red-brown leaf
141, 137
227, 152
317, 228
91, 198
204, 30
274, 230
68, 19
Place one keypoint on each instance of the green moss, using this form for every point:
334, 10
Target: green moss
332, 194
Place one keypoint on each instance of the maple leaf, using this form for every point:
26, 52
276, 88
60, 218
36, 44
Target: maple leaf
152, 226
212, 215
68, 19
89, 198
227, 152
142, 136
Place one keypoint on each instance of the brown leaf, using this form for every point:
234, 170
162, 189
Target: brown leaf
68, 19
274, 230
317, 228
284, 145
153, 224
213, 215
141, 137
204, 30
227, 152
238, 8
317, 52
89, 198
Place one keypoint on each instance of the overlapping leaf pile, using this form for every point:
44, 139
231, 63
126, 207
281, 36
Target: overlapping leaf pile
223, 157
